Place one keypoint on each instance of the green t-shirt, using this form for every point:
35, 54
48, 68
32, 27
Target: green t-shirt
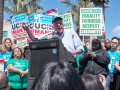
81, 68
14, 77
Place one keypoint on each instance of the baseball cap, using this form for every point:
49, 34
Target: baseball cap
55, 18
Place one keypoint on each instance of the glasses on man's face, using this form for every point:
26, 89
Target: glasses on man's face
56, 24
114, 43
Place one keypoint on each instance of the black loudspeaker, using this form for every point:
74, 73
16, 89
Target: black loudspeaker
43, 52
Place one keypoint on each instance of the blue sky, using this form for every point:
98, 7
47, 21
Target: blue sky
112, 15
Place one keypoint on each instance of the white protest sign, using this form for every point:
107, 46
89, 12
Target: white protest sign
17, 30
103, 23
23, 41
30, 23
91, 21
40, 24
67, 20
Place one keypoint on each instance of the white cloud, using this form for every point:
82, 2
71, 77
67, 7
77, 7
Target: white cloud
116, 30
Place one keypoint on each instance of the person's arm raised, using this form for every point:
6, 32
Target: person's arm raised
26, 28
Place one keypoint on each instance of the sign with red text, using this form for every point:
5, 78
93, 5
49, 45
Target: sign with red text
40, 24
17, 30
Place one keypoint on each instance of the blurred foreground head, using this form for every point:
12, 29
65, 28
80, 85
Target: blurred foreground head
4, 83
91, 82
58, 76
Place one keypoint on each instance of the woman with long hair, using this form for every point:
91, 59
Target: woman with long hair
17, 70
6, 50
58, 76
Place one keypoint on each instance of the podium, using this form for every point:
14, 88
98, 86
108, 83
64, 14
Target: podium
42, 52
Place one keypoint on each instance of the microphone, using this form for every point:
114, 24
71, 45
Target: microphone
56, 32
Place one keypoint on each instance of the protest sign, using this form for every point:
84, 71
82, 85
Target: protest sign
103, 22
17, 30
23, 41
67, 20
40, 24
91, 21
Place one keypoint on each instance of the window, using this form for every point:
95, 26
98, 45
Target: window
5, 33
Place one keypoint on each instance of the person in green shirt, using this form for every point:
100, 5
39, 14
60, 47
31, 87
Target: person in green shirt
17, 70
81, 68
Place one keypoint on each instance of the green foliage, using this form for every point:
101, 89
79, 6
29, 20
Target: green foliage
23, 6
75, 8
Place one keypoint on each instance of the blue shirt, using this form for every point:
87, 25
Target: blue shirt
71, 41
5, 56
114, 56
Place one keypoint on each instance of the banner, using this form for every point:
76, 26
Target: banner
17, 30
23, 41
91, 21
67, 20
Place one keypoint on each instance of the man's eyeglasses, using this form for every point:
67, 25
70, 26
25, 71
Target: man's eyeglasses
114, 43
56, 24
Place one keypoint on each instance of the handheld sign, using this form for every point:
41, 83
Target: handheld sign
91, 21
17, 30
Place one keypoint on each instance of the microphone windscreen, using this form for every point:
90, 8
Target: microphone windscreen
57, 31
54, 37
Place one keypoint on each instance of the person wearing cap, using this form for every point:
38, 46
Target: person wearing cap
96, 61
69, 38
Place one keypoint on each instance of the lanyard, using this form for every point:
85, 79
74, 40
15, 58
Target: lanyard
92, 57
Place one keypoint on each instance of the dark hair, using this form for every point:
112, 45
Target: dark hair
25, 48
3, 81
12, 55
91, 82
115, 38
58, 76
107, 39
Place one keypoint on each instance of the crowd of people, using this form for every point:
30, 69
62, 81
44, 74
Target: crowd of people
95, 68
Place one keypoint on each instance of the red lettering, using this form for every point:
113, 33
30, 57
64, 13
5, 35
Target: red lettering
20, 30
42, 32
17, 30
46, 31
14, 31
37, 31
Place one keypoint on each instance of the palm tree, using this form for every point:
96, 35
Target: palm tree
75, 11
23, 6
75, 8
97, 3
1, 19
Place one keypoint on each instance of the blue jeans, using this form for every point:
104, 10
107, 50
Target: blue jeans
107, 82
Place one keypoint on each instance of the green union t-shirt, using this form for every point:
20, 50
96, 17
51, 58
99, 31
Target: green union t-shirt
14, 77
